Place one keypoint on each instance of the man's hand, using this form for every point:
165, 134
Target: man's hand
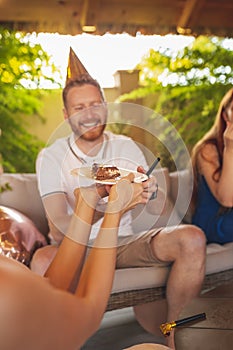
150, 186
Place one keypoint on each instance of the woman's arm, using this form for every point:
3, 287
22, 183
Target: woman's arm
225, 189
208, 163
83, 311
97, 276
65, 269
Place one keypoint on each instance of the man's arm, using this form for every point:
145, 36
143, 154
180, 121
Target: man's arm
56, 209
58, 217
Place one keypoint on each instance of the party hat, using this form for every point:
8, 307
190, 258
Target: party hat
75, 68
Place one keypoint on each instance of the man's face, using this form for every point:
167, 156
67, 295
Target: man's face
86, 112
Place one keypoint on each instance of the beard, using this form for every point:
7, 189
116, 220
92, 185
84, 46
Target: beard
92, 134
90, 130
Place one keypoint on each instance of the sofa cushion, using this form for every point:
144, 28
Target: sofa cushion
181, 183
140, 278
219, 258
24, 196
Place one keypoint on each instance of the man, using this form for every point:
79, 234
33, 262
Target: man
183, 247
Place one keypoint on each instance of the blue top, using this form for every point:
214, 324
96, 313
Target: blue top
215, 221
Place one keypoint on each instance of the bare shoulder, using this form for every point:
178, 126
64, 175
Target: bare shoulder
209, 151
39, 310
208, 156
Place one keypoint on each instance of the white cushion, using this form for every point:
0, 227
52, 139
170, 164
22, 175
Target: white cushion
139, 278
219, 258
181, 183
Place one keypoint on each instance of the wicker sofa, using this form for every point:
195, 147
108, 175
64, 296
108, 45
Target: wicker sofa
132, 286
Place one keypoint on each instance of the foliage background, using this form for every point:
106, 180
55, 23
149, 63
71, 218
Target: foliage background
187, 87
21, 66
184, 87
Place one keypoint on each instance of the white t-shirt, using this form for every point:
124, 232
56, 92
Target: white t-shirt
55, 162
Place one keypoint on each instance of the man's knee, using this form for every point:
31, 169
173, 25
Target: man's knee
193, 239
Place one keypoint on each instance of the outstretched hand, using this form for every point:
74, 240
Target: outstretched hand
91, 194
125, 195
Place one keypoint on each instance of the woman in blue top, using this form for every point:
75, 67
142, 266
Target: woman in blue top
212, 159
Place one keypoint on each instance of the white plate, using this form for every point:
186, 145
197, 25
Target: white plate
86, 172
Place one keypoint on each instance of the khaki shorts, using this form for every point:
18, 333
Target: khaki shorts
135, 250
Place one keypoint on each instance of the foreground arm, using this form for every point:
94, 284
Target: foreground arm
97, 276
65, 269
55, 318
68, 262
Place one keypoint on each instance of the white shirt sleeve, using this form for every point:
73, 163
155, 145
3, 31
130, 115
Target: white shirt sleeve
49, 174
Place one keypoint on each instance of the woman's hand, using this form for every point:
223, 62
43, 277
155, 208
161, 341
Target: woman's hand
228, 136
91, 194
125, 195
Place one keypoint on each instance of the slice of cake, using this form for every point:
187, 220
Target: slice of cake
105, 172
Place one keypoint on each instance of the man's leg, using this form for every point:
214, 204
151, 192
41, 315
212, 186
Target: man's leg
185, 247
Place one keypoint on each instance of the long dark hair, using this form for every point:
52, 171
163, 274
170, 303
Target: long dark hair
213, 136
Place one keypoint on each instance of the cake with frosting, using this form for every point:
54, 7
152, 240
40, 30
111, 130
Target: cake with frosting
105, 172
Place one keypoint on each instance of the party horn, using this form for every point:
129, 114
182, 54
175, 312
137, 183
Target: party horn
166, 328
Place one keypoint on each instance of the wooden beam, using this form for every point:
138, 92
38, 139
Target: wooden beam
85, 25
193, 17
83, 17
189, 9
